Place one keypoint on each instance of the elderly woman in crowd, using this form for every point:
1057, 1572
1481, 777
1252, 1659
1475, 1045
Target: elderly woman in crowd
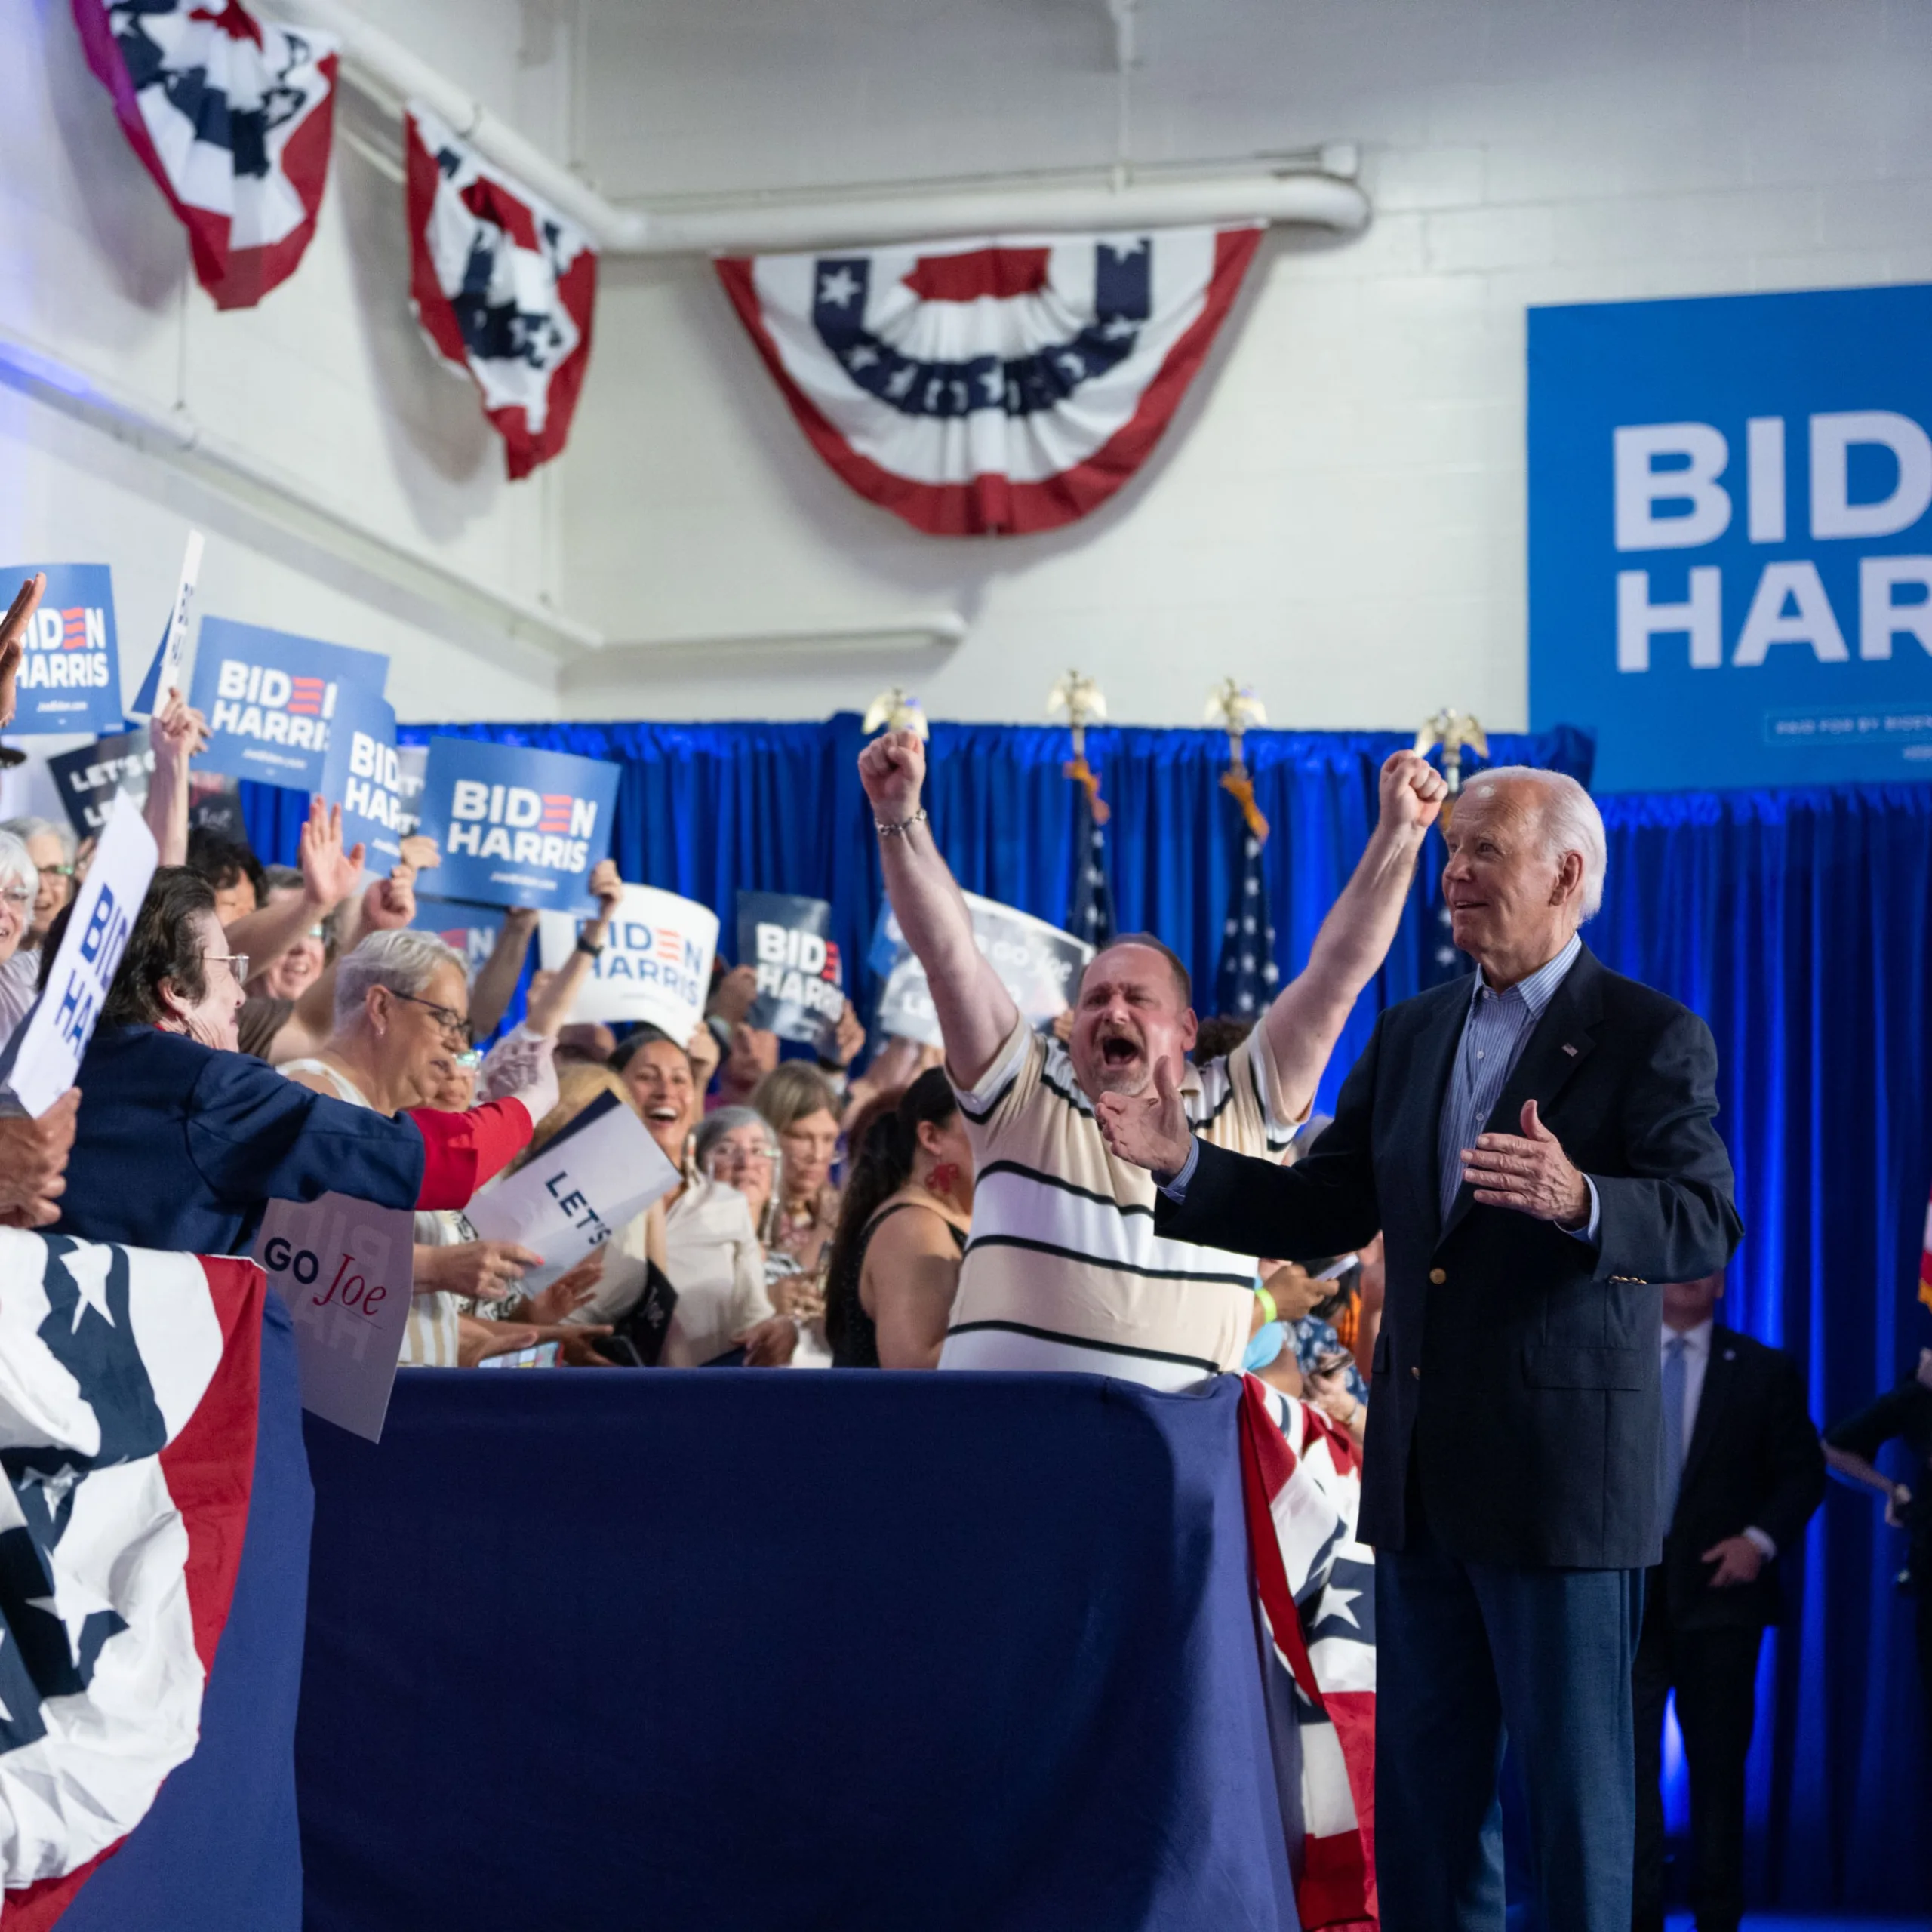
902, 1230
712, 1254
19, 969
54, 851
799, 1101
401, 1022
182, 1141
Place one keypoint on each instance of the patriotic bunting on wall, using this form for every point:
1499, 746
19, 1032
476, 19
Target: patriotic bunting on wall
996, 385
232, 114
128, 1384
503, 287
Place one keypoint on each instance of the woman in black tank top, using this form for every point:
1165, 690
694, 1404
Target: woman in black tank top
911, 1175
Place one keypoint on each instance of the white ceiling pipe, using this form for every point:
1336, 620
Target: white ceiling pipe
381, 64
1319, 200
176, 437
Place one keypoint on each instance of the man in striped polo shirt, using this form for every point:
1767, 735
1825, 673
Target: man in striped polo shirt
1063, 1269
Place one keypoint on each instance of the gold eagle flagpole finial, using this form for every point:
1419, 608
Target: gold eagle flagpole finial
1081, 701
1455, 731
1236, 709
895, 710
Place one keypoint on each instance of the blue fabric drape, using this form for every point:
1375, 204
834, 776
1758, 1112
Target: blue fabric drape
1795, 921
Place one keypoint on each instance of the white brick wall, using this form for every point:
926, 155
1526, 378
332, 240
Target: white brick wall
1338, 514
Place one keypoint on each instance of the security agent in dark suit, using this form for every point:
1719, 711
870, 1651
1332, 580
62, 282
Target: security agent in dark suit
1536, 1145
1742, 1471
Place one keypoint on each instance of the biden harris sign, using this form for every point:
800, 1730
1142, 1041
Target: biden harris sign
1730, 554
70, 663
517, 826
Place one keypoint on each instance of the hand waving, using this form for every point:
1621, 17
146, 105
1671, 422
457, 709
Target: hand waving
13, 639
329, 874
1528, 1174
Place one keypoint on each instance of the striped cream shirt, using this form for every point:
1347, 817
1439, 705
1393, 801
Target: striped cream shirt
1063, 1269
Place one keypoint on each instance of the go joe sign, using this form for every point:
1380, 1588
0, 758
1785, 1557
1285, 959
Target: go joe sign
344, 1267
1730, 536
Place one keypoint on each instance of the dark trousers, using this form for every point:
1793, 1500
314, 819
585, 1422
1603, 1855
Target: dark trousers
1464, 1651
1714, 1674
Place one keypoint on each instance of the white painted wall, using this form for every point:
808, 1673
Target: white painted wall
327, 376
1337, 514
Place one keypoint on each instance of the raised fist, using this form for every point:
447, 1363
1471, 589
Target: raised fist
892, 770
1413, 791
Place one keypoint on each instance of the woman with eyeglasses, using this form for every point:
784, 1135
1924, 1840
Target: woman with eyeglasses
53, 849
19, 969
183, 1140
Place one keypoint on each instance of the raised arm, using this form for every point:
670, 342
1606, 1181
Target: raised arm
329, 875
550, 1008
976, 1013
176, 732
1307, 1016
14, 641
494, 985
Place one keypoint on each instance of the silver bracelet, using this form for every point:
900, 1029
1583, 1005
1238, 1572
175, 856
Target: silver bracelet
902, 828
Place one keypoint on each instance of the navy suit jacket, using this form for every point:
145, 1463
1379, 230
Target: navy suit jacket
181, 1146
1753, 1461
1519, 1366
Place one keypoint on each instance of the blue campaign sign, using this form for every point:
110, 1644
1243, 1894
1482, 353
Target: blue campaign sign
269, 697
517, 827
1730, 561
363, 774
70, 670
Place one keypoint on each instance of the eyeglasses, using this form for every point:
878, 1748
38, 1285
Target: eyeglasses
238, 961
59, 872
456, 1028
16, 896
732, 1157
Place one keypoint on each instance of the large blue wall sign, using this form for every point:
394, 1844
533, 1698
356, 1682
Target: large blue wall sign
1730, 555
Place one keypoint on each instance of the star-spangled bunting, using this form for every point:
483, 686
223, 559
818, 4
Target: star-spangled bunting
994, 384
232, 113
129, 1385
503, 286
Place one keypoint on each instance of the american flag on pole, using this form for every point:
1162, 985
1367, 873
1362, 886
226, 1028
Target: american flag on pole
1301, 1479
1090, 911
127, 1393
1244, 981
232, 114
503, 286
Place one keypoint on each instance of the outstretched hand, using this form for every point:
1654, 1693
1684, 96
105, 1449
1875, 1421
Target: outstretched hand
1146, 1130
329, 874
892, 770
1528, 1174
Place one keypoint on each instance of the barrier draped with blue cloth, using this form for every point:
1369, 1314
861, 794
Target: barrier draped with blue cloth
727, 1648
1796, 922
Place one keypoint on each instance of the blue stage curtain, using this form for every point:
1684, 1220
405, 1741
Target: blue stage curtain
1798, 923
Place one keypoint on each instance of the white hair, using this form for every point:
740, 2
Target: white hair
405, 961
16, 866
1571, 821
24, 829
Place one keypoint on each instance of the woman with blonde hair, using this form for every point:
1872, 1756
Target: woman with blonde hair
799, 1101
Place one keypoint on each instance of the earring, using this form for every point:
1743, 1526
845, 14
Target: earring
944, 1178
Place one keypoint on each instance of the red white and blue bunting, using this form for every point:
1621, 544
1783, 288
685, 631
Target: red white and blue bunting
995, 385
503, 286
232, 115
